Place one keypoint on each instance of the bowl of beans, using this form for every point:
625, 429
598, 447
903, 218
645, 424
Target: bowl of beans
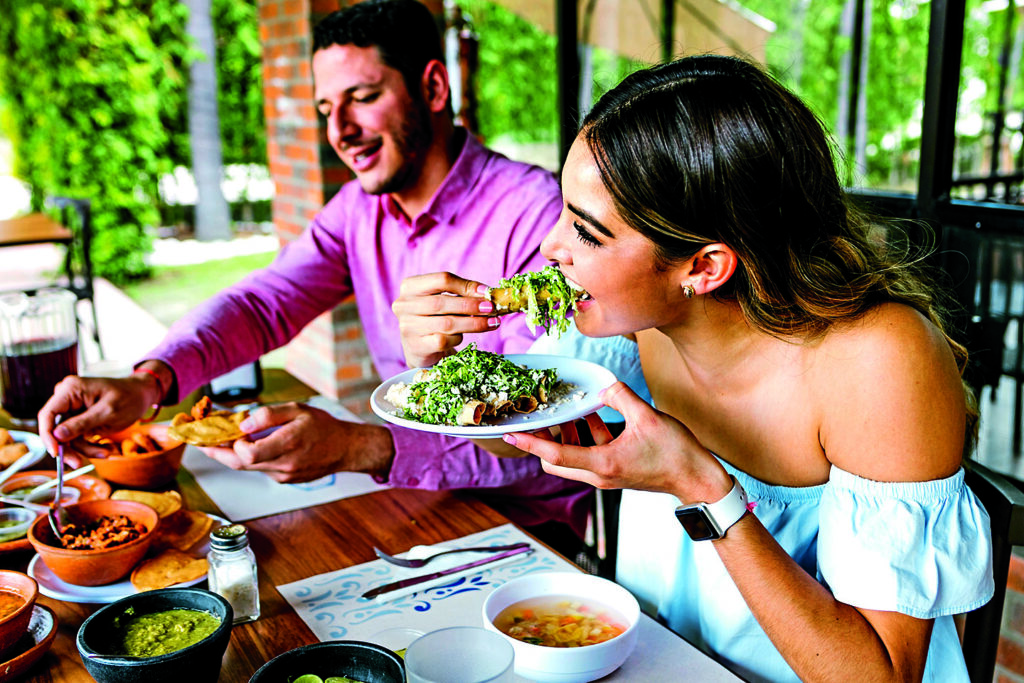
105, 539
564, 626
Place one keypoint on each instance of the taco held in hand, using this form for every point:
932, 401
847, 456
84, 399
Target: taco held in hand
205, 427
545, 296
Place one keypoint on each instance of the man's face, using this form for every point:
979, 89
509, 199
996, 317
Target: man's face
378, 128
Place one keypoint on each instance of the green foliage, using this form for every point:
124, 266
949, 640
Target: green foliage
243, 129
84, 87
517, 80
94, 99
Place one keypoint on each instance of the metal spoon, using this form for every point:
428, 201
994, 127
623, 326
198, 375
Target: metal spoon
57, 515
53, 482
35, 507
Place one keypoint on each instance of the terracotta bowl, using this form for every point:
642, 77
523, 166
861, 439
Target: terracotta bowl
14, 624
95, 567
147, 471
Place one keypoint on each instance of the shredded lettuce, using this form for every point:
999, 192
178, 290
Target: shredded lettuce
549, 298
440, 392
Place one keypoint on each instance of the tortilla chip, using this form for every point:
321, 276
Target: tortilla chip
166, 503
5, 437
166, 569
182, 530
218, 428
11, 452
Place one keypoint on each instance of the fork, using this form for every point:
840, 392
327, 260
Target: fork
413, 564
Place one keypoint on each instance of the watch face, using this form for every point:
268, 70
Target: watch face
696, 524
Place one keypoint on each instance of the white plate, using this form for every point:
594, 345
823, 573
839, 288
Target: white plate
587, 377
34, 443
53, 587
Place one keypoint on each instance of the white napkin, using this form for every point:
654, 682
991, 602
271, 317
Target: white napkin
440, 564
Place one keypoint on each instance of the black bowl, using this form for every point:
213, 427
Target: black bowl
362, 661
196, 663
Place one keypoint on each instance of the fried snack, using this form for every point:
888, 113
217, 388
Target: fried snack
166, 569
219, 428
5, 437
182, 530
146, 443
11, 452
165, 503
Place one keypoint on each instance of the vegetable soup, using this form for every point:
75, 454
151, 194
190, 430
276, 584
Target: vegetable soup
559, 621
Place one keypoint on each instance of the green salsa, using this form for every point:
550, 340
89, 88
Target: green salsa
160, 633
7, 524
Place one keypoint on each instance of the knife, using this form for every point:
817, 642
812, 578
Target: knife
423, 578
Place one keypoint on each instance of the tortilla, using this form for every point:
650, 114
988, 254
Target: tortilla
165, 503
166, 569
219, 427
182, 530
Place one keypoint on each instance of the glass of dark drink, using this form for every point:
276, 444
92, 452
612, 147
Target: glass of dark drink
38, 348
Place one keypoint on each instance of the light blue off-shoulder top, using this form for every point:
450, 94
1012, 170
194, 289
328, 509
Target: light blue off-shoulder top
920, 548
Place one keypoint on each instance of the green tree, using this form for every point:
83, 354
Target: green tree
85, 85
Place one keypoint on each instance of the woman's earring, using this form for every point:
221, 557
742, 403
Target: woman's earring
689, 291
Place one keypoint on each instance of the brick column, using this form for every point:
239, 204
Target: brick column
330, 354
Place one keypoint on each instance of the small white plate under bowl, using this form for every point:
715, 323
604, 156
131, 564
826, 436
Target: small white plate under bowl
52, 586
34, 443
587, 378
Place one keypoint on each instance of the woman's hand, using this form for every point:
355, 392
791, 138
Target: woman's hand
655, 452
435, 310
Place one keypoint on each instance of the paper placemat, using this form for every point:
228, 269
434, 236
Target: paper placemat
247, 495
330, 605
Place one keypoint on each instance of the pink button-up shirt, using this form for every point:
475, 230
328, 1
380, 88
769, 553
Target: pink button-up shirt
485, 222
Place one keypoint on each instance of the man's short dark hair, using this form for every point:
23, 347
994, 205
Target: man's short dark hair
404, 32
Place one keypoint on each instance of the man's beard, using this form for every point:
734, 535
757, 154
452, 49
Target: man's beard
411, 143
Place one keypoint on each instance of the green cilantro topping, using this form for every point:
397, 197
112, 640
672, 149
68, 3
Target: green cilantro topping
548, 298
472, 374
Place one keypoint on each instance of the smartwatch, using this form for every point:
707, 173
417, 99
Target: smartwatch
710, 521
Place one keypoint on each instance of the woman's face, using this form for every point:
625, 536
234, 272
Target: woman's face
615, 264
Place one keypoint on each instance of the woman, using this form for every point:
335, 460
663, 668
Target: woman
806, 388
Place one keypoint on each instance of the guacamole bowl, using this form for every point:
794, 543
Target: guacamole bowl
355, 659
101, 638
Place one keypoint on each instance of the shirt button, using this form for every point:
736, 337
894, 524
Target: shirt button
413, 481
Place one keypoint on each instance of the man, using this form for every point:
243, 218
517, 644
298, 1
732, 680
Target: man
426, 196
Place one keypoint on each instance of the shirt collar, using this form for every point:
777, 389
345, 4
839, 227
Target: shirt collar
452, 193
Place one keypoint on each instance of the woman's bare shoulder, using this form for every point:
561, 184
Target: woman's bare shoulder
891, 396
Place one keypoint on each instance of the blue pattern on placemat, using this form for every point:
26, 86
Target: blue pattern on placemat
331, 605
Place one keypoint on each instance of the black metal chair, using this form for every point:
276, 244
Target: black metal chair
76, 216
1004, 502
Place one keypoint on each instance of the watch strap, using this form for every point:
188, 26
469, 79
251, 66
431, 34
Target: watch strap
729, 509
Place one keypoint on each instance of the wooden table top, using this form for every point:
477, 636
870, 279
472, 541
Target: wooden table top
34, 228
289, 547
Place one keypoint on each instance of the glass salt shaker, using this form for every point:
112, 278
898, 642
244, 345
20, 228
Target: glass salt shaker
233, 571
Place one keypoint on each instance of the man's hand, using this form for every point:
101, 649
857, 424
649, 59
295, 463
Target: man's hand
307, 444
95, 404
435, 310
